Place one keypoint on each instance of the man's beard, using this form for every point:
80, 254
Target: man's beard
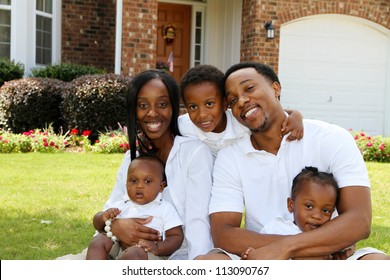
262, 127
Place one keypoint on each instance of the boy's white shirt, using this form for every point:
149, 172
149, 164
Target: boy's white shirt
163, 212
215, 141
189, 177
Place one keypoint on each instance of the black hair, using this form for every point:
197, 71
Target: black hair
264, 70
203, 73
131, 104
152, 158
310, 173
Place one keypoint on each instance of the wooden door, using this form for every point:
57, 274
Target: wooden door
178, 17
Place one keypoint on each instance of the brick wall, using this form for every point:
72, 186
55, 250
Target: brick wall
88, 28
139, 39
88, 33
255, 46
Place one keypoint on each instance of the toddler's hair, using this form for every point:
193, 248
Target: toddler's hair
310, 173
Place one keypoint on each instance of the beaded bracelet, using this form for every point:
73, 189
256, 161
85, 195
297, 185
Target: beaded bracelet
107, 229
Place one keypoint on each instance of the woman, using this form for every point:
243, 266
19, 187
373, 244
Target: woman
152, 111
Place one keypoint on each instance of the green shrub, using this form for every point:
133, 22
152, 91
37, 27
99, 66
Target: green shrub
30, 103
9, 70
65, 71
95, 103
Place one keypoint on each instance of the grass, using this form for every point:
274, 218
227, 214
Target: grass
47, 202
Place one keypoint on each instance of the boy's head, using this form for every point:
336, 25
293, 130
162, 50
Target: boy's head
313, 198
202, 91
145, 179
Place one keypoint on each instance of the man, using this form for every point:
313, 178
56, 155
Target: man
256, 174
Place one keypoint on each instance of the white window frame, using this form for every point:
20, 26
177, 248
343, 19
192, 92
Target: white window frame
197, 9
7, 8
23, 30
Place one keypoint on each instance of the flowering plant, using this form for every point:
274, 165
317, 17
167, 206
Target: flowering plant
112, 142
77, 140
33, 141
373, 148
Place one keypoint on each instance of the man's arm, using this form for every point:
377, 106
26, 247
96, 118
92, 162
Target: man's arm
227, 234
352, 224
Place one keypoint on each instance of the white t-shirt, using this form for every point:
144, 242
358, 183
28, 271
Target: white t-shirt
261, 182
189, 177
215, 141
282, 226
164, 214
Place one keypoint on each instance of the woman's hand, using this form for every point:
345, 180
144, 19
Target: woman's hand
131, 231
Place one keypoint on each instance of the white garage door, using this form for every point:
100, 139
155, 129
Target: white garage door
335, 68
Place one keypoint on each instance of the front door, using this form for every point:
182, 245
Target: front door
174, 22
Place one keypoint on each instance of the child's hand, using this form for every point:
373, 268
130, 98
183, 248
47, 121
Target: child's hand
244, 255
149, 246
111, 213
293, 123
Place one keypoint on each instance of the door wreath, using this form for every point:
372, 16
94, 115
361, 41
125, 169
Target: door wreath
169, 33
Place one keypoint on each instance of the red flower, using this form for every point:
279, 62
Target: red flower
369, 144
45, 144
86, 132
52, 143
74, 131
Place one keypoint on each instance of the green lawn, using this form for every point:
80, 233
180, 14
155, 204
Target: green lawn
48, 200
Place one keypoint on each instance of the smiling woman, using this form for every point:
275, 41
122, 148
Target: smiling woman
152, 113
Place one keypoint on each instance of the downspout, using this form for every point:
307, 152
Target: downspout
118, 36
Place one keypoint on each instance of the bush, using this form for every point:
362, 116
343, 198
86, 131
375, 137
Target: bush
9, 70
373, 148
95, 103
65, 71
30, 103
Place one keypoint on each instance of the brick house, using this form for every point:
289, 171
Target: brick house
333, 57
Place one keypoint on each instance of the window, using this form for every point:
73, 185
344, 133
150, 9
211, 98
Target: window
198, 36
5, 28
43, 45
